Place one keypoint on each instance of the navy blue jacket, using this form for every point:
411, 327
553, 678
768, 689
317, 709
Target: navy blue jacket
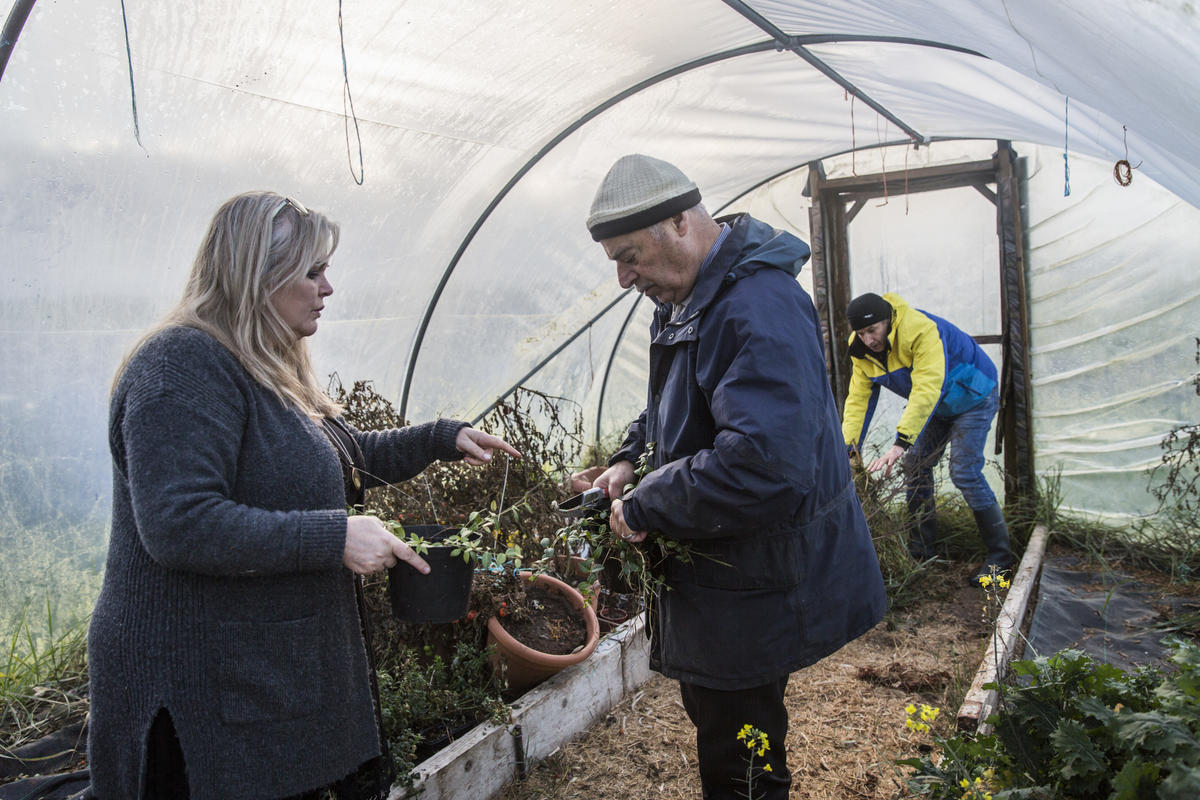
750, 470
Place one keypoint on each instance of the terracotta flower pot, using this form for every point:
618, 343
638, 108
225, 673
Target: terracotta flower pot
441, 596
617, 609
526, 667
611, 617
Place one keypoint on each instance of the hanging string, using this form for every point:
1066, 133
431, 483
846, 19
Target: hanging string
882, 159
137, 134
1066, 142
503, 490
346, 97
1122, 172
429, 491
853, 144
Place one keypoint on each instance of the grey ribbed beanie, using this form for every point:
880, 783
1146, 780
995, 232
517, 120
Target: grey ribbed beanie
637, 192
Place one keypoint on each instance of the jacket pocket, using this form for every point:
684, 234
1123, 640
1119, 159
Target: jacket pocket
270, 671
752, 561
966, 388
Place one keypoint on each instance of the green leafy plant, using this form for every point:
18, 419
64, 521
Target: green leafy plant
512, 498
1074, 728
426, 696
467, 543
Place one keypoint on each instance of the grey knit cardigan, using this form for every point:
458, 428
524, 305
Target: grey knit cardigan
225, 600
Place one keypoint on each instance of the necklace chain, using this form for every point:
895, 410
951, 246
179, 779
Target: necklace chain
343, 453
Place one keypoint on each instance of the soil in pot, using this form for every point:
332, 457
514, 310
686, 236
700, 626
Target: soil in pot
548, 623
536, 629
536, 617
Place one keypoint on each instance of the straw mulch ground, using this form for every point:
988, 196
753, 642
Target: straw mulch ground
847, 713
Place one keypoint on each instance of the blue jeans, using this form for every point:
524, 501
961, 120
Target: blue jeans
966, 434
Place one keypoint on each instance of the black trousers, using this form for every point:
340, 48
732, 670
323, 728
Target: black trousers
166, 773
724, 759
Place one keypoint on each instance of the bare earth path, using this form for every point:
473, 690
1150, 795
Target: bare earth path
847, 713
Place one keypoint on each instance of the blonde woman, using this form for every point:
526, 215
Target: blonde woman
226, 655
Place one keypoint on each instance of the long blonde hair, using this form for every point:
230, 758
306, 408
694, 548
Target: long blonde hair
256, 243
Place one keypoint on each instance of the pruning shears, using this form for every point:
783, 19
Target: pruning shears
585, 503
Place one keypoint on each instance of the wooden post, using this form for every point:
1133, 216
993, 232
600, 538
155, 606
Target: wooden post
1014, 425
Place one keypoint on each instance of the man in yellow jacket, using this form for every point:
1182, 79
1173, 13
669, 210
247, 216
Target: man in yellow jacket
950, 385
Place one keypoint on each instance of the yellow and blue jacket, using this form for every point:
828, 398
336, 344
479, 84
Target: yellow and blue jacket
939, 368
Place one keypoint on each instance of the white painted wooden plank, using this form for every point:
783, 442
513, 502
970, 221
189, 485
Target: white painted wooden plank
478, 764
569, 703
483, 761
636, 652
979, 702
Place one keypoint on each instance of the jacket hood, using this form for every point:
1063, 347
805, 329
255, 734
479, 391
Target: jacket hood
750, 246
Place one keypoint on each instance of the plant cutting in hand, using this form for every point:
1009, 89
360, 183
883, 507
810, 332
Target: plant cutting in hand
588, 537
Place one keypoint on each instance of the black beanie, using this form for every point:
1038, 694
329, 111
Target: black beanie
867, 309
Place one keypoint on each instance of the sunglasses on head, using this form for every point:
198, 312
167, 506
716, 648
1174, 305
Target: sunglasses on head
287, 201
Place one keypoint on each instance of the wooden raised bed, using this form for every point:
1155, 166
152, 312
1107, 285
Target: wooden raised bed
488, 757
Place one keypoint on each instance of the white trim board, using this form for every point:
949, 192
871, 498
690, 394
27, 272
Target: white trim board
490, 756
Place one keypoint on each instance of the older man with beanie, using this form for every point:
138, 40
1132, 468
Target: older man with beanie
950, 385
748, 468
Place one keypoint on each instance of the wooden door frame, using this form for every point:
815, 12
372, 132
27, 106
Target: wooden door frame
836, 202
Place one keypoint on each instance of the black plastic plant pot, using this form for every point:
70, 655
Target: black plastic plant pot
441, 596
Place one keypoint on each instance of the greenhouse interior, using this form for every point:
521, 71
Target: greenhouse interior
1029, 170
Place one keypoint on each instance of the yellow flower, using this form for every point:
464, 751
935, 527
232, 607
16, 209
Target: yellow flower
744, 732
912, 724
1005, 583
910, 709
928, 713
985, 581
767, 768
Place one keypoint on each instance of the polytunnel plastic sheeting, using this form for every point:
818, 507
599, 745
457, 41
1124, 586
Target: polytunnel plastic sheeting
758, 101
559, 284
1114, 304
1129, 60
512, 105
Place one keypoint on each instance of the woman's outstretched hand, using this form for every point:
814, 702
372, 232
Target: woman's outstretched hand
371, 547
477, 446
